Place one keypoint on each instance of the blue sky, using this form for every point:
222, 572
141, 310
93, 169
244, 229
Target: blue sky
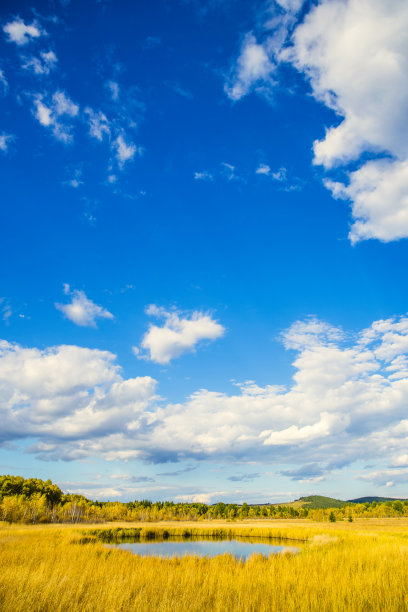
204, 222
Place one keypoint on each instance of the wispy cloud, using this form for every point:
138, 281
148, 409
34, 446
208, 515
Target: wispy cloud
125, 150
113, 89
228, 170
98, 124
75, 181
181, 91
252, 69
55, 113
3, 83
243, 477
41, 65
5, 140
189, 468
205, 175
5, 309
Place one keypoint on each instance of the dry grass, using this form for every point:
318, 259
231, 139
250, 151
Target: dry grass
360, 566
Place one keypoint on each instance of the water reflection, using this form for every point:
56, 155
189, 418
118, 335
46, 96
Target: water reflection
205, 547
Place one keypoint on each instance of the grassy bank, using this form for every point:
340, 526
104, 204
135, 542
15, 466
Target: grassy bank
358, 566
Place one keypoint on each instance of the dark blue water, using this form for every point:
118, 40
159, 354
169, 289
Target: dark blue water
204, 548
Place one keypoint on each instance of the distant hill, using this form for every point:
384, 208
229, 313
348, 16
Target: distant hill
363, 500
319, 501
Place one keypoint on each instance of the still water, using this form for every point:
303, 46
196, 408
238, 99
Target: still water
179, 547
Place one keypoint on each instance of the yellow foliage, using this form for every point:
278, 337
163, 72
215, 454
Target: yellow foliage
345, 567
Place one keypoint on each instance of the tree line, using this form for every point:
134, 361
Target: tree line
36, 501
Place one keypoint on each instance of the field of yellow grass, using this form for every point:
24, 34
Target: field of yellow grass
359, 566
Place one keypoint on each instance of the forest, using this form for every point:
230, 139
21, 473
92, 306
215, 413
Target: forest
33, 501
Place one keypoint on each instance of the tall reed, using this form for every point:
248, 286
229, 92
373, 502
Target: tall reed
356, 567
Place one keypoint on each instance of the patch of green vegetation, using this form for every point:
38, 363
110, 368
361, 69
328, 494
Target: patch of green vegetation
314, 502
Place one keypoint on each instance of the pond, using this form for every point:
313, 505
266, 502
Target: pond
241, 548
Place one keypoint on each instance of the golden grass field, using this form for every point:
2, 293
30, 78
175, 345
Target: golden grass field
359, 566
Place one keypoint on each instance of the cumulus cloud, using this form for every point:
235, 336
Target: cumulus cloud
379, 195
353, 53
20, 33
41, 65
55, 113
66, 393
178, 334
309, 333
347, 402
81, 310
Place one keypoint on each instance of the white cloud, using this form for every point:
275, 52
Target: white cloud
3, 82
201, 498
63, 105
381, 478
113, 89
81, 310
280, 175
253, 67
75, 181
400, 461
125, 151
203, 176
67, 393
6, 311
184, 93
309, 333
291, 6
20, 33
346, 403
5, 140
379, 195
228, 171
326, 426
53, 113
43, 65
43, 113
98, 124
263, 169
179, 334
354, 54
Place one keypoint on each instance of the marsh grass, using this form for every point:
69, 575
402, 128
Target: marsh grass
360, 566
